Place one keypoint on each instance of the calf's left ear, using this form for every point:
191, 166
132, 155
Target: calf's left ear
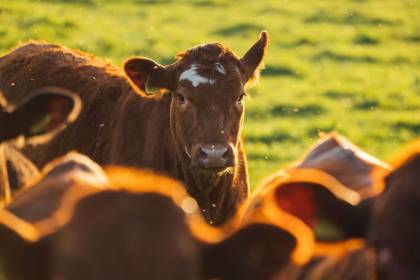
148, 75
252, 61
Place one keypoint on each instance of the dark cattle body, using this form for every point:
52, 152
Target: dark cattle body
110, 234
352, 265
372, 239
127, 225
328, 219
37, 118
189, 130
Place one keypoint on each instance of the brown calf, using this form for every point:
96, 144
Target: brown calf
190, 130
37, 118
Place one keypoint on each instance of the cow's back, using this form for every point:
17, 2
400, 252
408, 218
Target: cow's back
36, 65
99, 84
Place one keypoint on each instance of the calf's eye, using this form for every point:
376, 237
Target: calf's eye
181, 98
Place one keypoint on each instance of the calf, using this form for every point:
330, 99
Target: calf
37, 118
190, 129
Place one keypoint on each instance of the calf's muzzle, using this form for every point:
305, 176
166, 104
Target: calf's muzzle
213, 156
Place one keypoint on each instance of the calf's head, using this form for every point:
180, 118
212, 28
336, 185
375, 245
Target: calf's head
208, 85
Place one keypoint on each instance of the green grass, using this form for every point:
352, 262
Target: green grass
348, 66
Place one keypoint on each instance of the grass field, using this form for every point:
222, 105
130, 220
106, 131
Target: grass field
348, 66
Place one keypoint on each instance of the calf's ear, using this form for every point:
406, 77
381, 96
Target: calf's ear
148, 75
252, 62
257, 251
41, 114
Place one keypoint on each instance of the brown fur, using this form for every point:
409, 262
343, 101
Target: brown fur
121, 126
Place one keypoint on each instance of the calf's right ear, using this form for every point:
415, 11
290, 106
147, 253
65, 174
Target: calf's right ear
148, 75
252, 62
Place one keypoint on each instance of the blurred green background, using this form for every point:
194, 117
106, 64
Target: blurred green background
348, 66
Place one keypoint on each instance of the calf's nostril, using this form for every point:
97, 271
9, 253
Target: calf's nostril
226, 155
202, 154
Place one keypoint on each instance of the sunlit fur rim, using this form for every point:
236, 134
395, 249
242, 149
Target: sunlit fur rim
408, 152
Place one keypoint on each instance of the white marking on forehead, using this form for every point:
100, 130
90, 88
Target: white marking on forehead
195, 79
220, 68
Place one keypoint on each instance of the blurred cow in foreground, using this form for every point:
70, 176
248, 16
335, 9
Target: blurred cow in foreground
37, 119
127, 224
331, 219
190, 129
80, 222
347, 236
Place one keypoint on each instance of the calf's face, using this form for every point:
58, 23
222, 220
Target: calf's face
207, 84
208, 112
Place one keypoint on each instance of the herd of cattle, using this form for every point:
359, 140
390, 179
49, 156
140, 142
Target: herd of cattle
174, 201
